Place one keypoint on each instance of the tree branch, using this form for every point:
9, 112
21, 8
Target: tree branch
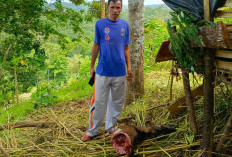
26, 124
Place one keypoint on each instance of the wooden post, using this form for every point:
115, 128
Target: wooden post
189, 101
171, 83
172, 77
207, 10
207, 139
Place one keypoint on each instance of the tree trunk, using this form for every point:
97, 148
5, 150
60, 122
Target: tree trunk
135, 88
207, 139
16, 85
189, 102
102, 9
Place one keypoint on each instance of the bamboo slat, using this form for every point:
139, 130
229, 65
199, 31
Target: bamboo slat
223, 14
224, 65
224, 54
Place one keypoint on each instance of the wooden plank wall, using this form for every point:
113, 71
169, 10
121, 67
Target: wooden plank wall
224, 57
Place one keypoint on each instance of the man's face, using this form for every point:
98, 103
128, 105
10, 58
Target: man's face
114, 10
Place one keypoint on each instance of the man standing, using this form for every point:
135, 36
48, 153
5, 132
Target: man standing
111, 41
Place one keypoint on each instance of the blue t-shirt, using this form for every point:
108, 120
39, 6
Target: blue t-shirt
112, 36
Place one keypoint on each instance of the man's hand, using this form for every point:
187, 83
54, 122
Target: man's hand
91, 71
129, 75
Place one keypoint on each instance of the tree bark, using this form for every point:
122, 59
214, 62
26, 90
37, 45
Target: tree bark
135, 88
207, 139
102, 9
189, 102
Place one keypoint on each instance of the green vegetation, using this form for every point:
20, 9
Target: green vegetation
49, 60
182, 41
53, 64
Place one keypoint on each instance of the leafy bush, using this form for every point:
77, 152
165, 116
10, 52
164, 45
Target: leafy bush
44, 96
7, 88
155, 33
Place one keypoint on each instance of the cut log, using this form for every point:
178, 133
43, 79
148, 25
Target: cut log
25, 124
217, 37
180, 104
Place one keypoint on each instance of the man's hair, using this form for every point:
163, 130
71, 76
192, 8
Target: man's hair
113, 1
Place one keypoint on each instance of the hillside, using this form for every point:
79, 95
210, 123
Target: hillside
68, 5
85, 7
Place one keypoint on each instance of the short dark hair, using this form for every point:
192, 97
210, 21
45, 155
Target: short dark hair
113, 1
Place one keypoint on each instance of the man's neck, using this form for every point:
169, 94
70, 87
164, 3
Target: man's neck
112, 19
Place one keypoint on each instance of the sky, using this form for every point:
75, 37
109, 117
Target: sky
125, 2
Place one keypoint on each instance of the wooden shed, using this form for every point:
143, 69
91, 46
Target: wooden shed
217, 62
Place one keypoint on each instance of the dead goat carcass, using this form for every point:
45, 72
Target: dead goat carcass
125, 137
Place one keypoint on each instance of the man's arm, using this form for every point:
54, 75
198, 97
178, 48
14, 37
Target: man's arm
95, 51
128, 65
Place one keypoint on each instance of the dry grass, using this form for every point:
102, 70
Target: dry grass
72, 119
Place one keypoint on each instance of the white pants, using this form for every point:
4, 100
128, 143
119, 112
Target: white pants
109, 92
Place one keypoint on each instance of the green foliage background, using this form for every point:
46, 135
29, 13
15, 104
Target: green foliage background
51, 50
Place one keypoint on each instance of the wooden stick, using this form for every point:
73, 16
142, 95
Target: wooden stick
26, 124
